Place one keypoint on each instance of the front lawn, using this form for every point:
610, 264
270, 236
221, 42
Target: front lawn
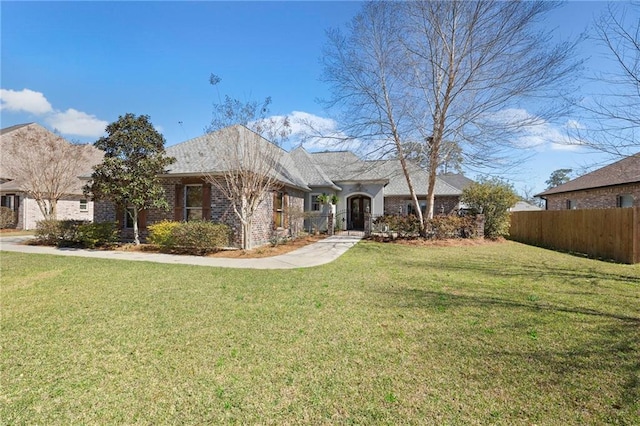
387, 334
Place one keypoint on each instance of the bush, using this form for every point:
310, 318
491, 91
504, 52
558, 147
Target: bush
75, 233
161, 233
405, 226
451, 226
195, 237
7, 218
491, 197
93, 235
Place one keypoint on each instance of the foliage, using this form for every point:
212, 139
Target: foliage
76, 233
493, 198
558, 177
329, 345
451, 226
7, 218
161, 233
194, 237
438, 227
128, 175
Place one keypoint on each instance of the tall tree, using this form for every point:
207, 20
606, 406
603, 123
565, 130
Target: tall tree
134, 156
46, 166
610, 120
249, 154
558, 177
433, 71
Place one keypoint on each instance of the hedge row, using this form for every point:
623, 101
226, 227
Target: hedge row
196, 237
439, 227
76, 233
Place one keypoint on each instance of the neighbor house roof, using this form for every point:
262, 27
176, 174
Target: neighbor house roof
206, 155
10, 141
621, 172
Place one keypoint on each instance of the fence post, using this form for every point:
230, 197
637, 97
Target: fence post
367, 224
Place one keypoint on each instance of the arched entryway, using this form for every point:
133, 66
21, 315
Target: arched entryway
358, 207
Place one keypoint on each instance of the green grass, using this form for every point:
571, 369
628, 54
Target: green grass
498, 334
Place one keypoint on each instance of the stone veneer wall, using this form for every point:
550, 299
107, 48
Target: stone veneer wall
443, 204
597, 198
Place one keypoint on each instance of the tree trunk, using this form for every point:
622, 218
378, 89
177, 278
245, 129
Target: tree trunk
134, 217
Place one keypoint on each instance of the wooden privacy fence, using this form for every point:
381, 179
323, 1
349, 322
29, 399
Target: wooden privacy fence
601, 233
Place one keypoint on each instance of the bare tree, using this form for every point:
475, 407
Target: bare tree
611, 117
249, 156
48, 167
453, 71
364, 71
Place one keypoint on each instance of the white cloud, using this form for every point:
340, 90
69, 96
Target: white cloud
24, 100
74, 122
317, 133
69, 122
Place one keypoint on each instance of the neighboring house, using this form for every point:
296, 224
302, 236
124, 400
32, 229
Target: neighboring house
615, 185
73, 205
362, 188
523, 206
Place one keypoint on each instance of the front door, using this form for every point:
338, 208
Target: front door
358, 207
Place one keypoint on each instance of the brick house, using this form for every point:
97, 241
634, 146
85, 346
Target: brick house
73, 205
615, 185
361, 187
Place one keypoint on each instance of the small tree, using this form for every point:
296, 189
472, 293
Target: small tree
248, 154
46, 166
128, 175
493, 198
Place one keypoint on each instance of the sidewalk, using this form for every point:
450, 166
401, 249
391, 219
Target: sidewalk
315, 254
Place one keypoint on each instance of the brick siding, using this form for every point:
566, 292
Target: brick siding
442, 204
598, 198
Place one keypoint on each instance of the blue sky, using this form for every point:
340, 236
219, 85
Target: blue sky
75, 66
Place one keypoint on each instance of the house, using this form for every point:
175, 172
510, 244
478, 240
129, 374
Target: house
615, 185
16, 146
363, 188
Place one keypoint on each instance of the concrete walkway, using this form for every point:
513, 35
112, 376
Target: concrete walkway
315, 254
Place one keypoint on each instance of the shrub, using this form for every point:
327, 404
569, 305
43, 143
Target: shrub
161, 233
195, 237
451, 226
405, 226
75, 233
7, 218
48, 232
93, 235
491, 197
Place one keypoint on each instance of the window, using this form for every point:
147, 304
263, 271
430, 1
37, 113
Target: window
411, 208
571, 204
128, 217
278, 209
315, 203
192, 202
84, 206
625, 200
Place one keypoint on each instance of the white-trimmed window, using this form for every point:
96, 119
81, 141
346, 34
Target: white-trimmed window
570, 204
315, 203
192, 202
625, 200
278, 209
84, 206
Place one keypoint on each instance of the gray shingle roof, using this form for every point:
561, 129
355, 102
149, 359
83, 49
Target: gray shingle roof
205, 155
456, 180
621, 172
312, 173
